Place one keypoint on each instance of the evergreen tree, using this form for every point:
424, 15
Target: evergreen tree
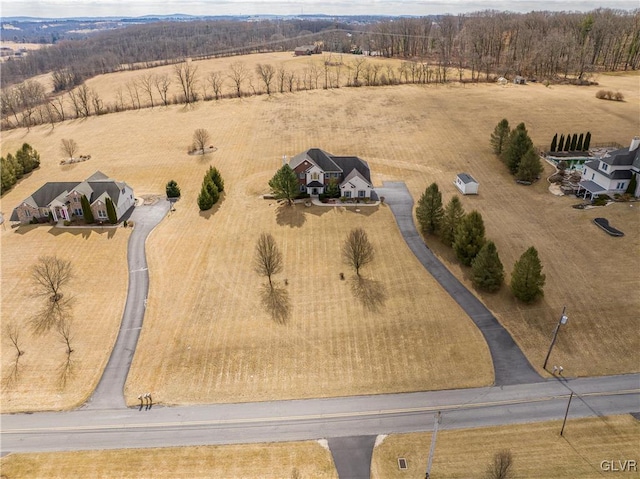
530, 166
469, 238
8, 177
567, 143
111, 211
172, 189
487, 269
500, 136
527, 280
587, 141
633, 184
561, 143
580, 142
212, 189
519, 144
205, 202
16, 166
28, 158
333, 189
453, 214
429, 210
215, 176
574, 142
284, 184
554, 143
87, 214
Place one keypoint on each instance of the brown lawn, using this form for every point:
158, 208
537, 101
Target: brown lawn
537, 450
207, 336
260, 461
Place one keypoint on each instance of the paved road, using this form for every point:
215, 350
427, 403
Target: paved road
317, 418
509, 364
110, 390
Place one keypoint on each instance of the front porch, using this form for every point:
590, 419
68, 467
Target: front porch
590, 188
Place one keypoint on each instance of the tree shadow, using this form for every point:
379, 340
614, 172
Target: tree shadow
290, 215
13, 373
52, 313
370, 292
67, 371
211, 211
276, 301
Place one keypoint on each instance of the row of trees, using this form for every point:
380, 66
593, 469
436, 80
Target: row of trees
14, 167
212, 186
465, 233
516, 150
571, 142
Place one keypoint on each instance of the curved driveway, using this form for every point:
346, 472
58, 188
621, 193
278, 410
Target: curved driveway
110, 391
509, 364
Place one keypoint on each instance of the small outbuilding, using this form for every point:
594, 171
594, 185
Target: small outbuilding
466, 184
519, 80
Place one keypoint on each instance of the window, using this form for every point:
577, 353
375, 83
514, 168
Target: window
620, 186
593, 175
347, 194
301, 176
327, 175
76, 199
315, 176
604, 166
361, 193
102, 214
302, 188
27, 213
77, 212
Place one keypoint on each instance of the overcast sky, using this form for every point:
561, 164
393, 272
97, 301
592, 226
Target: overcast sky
101, 8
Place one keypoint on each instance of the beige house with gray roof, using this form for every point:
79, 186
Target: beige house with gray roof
62, 200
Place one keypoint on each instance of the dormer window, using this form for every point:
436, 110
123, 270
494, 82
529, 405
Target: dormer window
604, 167
315, 176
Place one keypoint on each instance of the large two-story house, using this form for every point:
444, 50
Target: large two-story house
316, 169
611, 173
61, 200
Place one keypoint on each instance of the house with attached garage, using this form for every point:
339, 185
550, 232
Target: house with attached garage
61, 200
611, 173
316, 169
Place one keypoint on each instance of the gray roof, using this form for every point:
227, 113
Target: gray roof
354, 173
466, 178
614, 175
623, 157
591, 186
330, 163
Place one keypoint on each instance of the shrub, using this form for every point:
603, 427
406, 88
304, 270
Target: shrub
67, 223
601, 95
601, 200
618, 96
301, 196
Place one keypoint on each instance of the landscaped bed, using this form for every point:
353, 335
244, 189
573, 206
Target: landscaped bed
603, 223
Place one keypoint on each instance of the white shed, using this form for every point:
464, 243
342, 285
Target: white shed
466, 184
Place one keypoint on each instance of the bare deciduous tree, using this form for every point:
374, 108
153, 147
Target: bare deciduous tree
266, 73
357, 250
216, 81
238, 75
186, 74
162, 83
268, 258
146, 83
49, 275
501, 467
201, 138
12, 332
134, 94
69, 147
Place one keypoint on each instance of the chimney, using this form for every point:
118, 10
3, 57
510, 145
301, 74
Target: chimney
634, 143
284, 159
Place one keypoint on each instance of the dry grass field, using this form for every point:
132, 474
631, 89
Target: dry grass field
207, 337
260, 461
537, 450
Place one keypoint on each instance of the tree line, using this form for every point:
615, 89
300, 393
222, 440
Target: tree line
14, 167
465, 233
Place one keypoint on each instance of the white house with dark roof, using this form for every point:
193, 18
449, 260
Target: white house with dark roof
611, 173
316, 168
466, 184
62, 200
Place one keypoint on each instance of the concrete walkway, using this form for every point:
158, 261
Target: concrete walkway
110, 391
510, 365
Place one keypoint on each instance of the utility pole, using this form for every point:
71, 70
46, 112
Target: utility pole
566, 414
433, 443
563, 320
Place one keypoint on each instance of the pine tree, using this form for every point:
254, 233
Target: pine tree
429, 210
172, 189
284, 184
519, 143
16, 166
554, 143
8, 177
580, 142
111, 211
530, 166
633, 184
215, 176
212, 189
87, 214
453, 214
205, 202
500, 136
469, 238
567, 142
574, 142
561, 143
487, 269
587, 142
527, 280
